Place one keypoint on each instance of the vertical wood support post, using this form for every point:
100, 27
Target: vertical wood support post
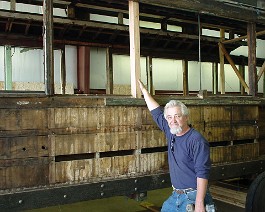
8, 68
222, 66
48, 46
109, 71
185, 77
264, 86
83, 69
120, 18
63, 71
13, 5
149, 74
134, 47
215, 78
241, 69
252, 72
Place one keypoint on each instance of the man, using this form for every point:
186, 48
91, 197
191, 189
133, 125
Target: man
188, 156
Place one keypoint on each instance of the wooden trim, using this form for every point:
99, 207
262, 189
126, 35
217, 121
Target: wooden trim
134, 47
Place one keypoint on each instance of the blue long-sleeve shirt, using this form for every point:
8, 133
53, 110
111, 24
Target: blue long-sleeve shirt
190, 158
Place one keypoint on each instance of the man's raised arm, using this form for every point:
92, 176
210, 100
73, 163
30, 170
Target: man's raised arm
150, 102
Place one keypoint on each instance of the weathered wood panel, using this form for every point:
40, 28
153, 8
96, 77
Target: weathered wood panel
23, 119
234, 153
244, 122
30, 172
24, 147
217, 123
152, 138
153, 163
91, 170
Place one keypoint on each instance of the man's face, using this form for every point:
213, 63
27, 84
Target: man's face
176, 121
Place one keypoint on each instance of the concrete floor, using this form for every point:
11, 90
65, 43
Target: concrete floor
121, 204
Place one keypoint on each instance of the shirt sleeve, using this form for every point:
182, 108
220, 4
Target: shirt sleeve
158, 117
202, 163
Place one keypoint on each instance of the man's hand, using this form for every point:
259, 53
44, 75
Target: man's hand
141, 85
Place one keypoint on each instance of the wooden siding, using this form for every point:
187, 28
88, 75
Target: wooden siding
76, 140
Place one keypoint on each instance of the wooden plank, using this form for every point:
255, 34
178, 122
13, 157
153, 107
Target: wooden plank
109, 71
103, 168
134, 47
229, 196
149, 73
48, 46
234, 153
152, 138
63, 71
217, 123
252, 72
185, 77
19, 173
153, 162
23, 119
215, 8
222, 70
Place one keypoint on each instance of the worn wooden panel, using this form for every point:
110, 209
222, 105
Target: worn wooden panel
24, 147
220, 154
153, 162
29, 172
112, 117
244, 132
90, 170
119, 166
91, 143
116, 141
73, 119
245, 152
261, 122
217, 123
245, 113
196, 118
234, 153
74, 144
146, 117
23, 119
75, 171
244, 122
261, 146
152, 138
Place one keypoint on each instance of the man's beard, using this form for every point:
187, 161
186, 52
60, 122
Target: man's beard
175, 130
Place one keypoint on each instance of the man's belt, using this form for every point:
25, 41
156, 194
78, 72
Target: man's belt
183, 191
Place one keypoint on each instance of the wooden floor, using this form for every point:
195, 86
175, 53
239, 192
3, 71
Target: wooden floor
154, 198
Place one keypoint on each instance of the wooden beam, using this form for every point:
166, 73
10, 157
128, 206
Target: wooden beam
13, 5
242, 37
185, 64
252, 71
134, 47
215, 78
149, 73
109, 71
222, 63
261, 71
63, 71
242, 73
8, 68
83, 69
48, 46
233, 10
234, 67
